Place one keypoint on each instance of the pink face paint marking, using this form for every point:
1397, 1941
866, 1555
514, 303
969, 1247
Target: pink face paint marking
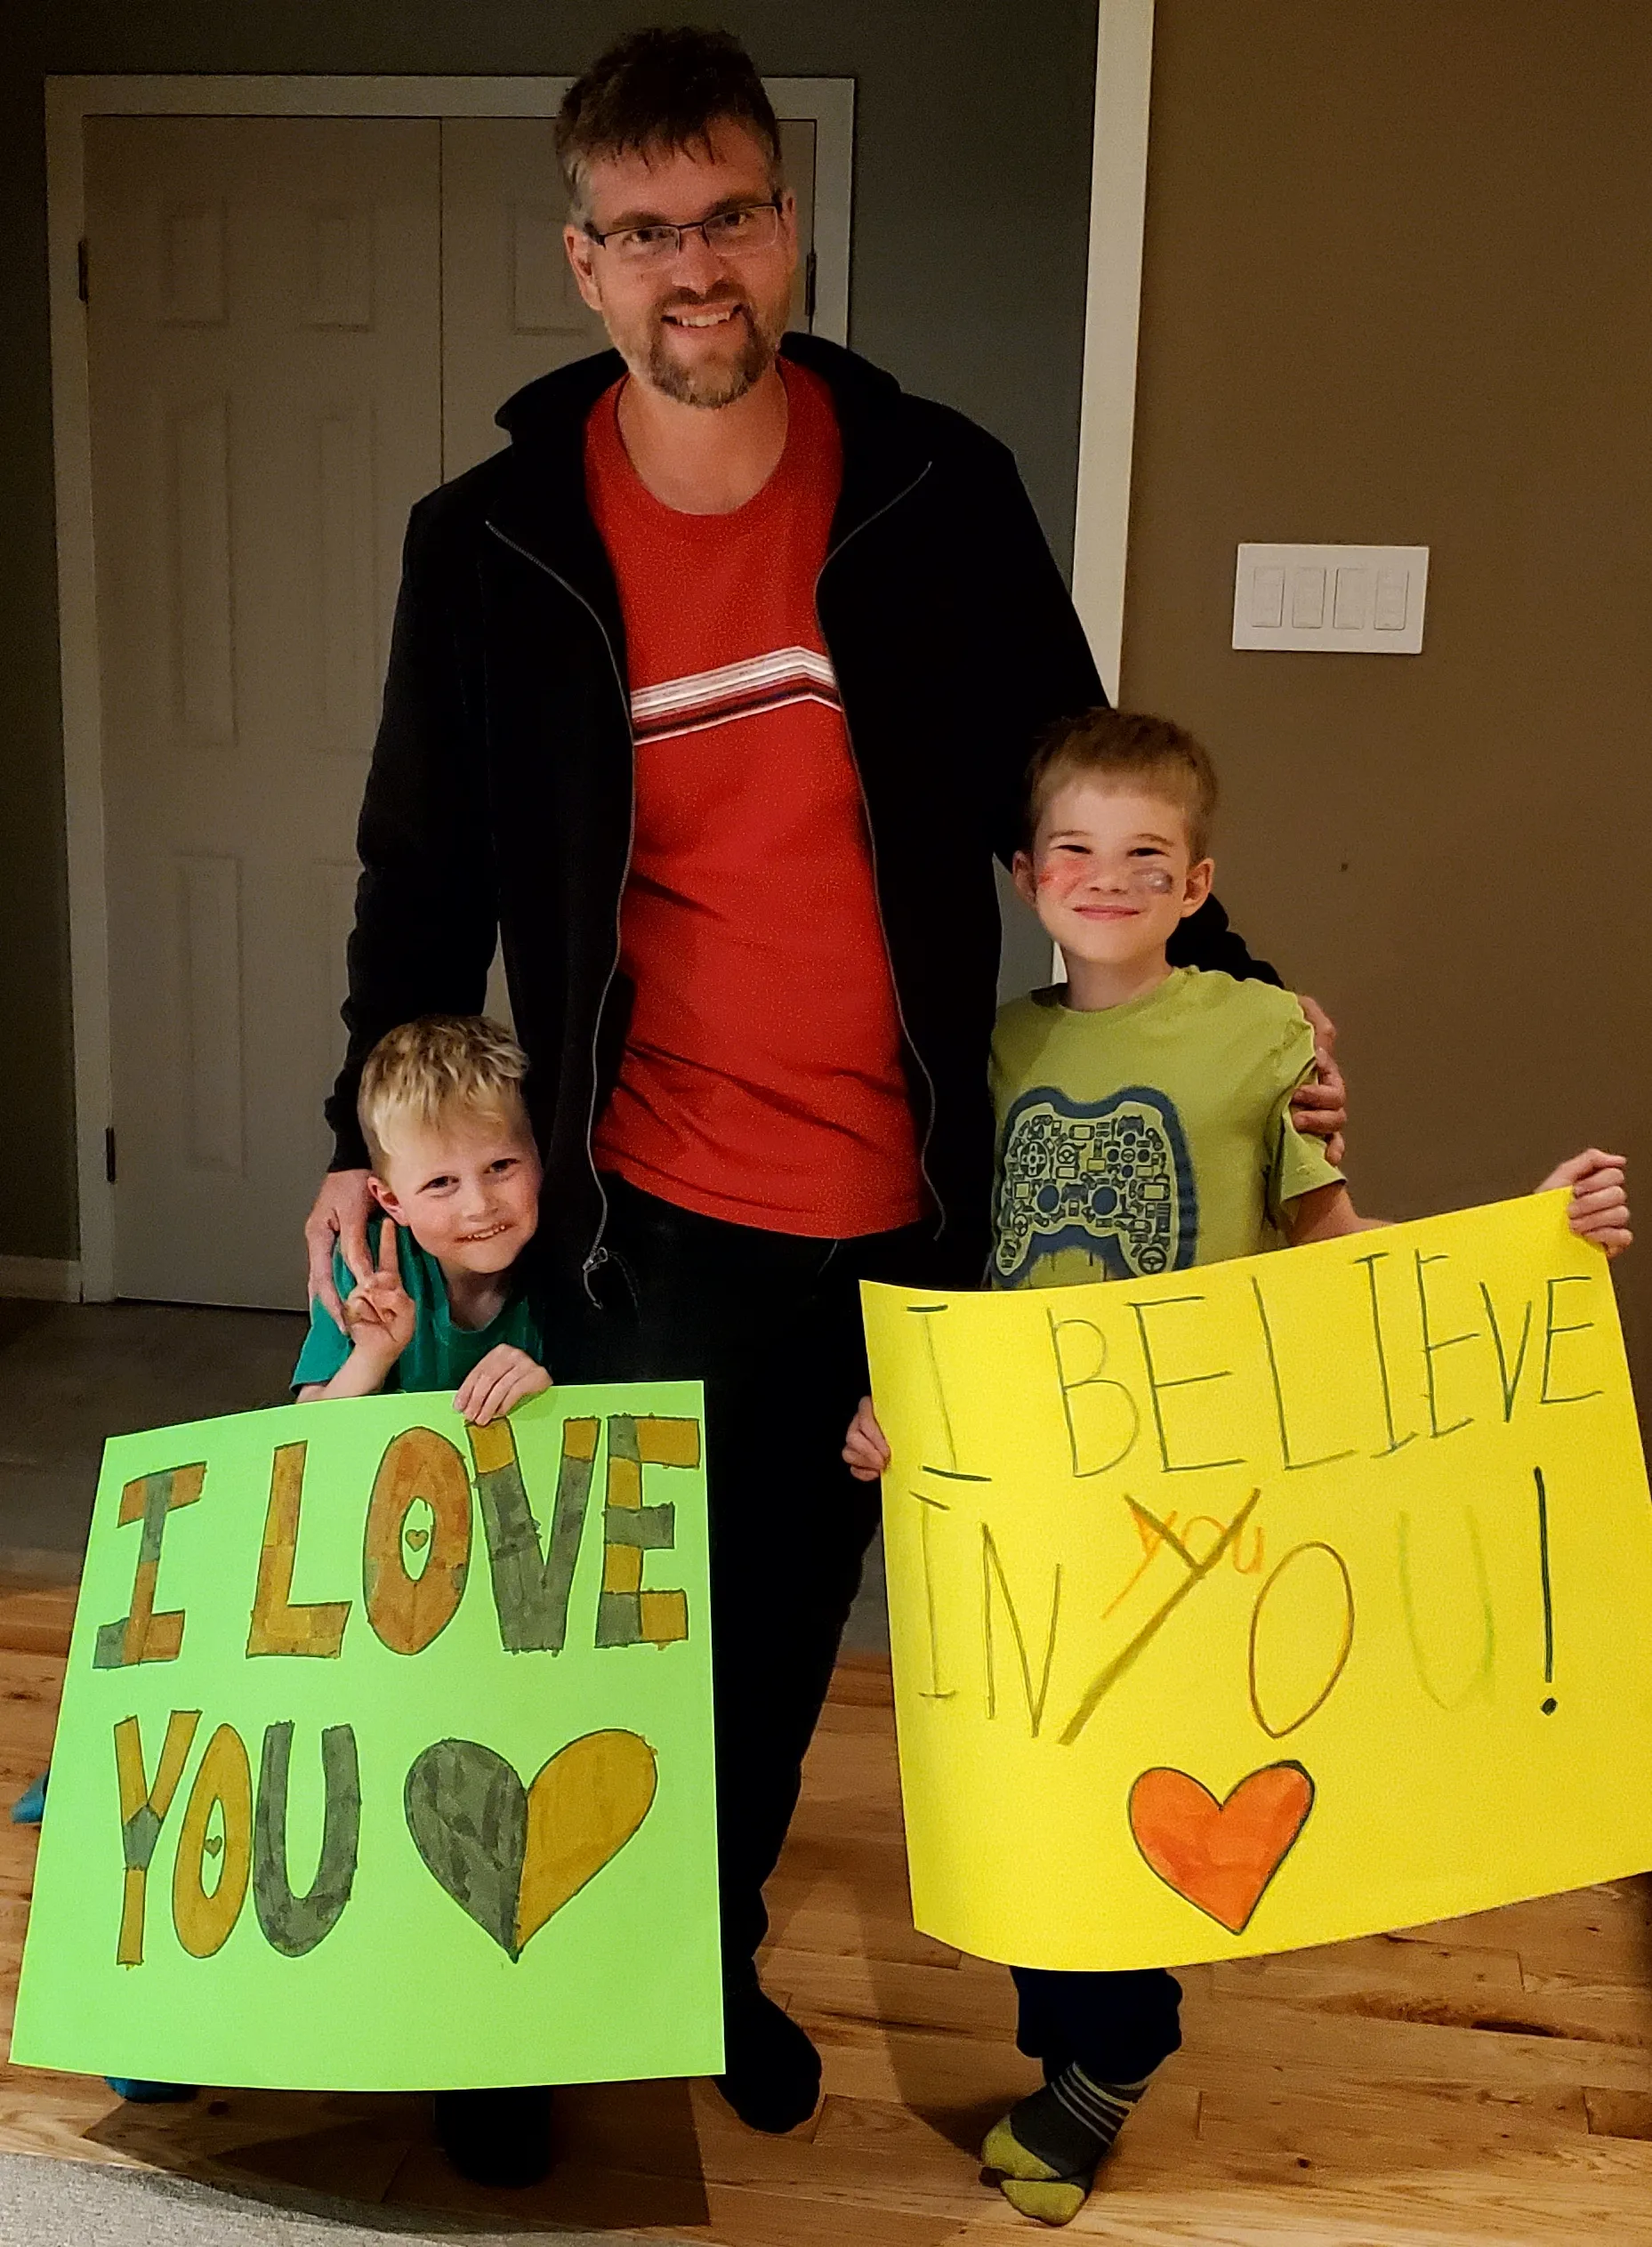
1062, 876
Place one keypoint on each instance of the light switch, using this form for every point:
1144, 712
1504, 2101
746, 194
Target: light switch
1308, 599
1268, 599
1353, 587
1345, 600
1390, 612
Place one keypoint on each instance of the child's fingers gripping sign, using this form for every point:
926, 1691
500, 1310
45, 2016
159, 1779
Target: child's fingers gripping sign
865, 1450
1599, 1209
497, 1383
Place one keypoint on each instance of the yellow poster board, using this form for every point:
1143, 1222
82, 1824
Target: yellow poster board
1270, 1603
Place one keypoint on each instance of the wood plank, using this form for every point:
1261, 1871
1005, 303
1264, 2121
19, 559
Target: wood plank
1263, 2088
36, 1618
863, 1679
1619, 2114
1425, 2051
897, 1994
829, 1923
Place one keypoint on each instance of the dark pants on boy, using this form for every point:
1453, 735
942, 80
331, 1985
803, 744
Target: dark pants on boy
771, 1322
1118, 2027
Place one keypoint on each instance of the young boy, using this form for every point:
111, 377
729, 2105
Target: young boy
456, 1174
454, 1165
455, 1171
1137, 1071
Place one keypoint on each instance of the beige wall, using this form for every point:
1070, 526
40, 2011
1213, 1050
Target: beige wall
1396, 290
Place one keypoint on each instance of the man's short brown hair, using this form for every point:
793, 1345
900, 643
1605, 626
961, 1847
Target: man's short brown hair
429, 1071
658, 91
1121, 746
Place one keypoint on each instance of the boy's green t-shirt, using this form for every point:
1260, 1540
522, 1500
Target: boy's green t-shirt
1144, 1138
440, 1354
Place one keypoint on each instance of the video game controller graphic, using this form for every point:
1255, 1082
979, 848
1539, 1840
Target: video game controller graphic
1111, 1177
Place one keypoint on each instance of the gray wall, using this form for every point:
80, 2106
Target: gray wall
972, 207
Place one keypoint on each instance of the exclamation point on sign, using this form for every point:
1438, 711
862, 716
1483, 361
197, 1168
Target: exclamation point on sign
1549, 1705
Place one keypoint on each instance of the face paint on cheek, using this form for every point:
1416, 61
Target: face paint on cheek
1059, 878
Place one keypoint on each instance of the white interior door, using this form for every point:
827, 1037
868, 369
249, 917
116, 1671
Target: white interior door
296, 326
265, 322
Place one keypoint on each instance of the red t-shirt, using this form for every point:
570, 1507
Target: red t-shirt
761, 1079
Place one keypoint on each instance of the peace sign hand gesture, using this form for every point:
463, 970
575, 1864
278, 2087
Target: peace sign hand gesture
379, 1314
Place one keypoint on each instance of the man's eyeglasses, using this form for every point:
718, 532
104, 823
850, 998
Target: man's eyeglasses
741, 232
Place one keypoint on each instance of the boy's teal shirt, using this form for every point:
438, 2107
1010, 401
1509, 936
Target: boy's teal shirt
440, 1354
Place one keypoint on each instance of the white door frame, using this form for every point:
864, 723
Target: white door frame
1118, 184
830, 102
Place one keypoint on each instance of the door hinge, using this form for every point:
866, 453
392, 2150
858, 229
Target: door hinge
809, 289
109, 1154
82, 270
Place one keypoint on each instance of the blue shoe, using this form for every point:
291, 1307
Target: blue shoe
143, 2093
30, 1806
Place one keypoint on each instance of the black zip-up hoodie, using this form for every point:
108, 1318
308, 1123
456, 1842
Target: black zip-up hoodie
499, 799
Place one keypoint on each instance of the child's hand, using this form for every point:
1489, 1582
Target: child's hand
379, 1315
1319, 1104
498, 1383
1600, 1207
866, 1450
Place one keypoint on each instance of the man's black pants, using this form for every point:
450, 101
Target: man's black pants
770, 1323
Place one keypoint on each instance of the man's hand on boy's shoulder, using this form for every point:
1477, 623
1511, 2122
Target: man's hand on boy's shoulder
339, 1220
498, 1383
1319, 1104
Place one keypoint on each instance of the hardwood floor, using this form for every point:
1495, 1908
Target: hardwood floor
1487, 2080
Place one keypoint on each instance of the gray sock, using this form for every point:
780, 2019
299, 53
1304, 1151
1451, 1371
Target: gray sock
1072, 2122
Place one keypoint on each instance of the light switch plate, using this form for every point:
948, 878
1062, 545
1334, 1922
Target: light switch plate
1361, 600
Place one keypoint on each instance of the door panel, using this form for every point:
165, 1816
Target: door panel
511, 310
265, 339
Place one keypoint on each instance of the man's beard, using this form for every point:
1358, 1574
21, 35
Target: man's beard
711, 385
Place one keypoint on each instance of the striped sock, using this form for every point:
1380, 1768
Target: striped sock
1047, 2148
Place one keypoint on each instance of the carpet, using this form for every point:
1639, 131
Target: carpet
59, 2204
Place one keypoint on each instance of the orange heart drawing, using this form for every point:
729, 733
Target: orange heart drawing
1220, 1856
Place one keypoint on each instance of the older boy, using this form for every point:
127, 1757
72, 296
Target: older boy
1202, 1068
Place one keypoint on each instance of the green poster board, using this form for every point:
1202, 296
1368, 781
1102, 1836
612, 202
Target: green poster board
386, 1755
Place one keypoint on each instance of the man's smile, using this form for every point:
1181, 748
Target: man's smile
703, 316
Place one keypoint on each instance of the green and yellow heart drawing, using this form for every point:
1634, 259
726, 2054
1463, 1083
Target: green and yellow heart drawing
512, 1855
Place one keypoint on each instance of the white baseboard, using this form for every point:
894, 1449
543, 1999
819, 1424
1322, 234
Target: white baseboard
40, 1279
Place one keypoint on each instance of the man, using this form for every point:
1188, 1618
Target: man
712, 697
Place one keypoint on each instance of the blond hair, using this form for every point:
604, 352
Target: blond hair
1120, 745
426, 1072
